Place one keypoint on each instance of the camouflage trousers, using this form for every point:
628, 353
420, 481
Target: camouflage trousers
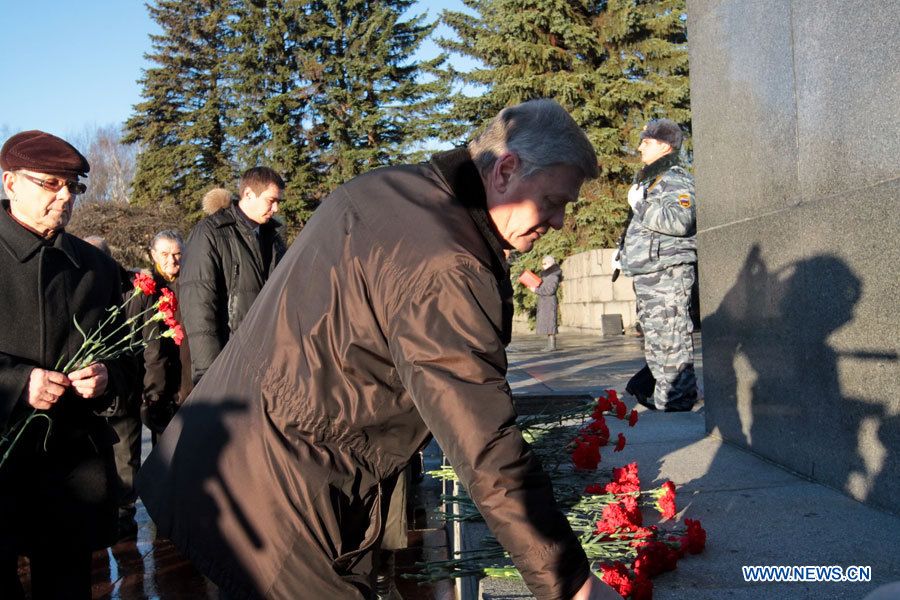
663, 302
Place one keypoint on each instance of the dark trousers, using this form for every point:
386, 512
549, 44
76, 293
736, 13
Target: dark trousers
128, 460
57, 573
55, 507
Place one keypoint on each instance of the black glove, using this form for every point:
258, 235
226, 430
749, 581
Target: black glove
157, 414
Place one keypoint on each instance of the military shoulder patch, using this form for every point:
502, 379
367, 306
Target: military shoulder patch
684, 200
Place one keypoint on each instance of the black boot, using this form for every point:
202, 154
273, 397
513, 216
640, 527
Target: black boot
385, 588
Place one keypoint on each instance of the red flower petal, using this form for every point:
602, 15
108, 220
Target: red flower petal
696, 536
618, 578
593, 488
633, 417
145, 283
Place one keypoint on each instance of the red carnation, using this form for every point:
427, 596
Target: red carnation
614, 487
603, 405
620, 515
620, 444
593, 488
643, 588
612, 395
618, 578
145, 283
633, 417
630, 504
665, 500
627, 474
613, 518
168, 303
641, 536
599, 429
654, 558
178, 334
587, 452
696, 536
621, 409
625, 480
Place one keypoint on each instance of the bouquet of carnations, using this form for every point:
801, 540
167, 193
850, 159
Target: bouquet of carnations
108, 341
608, 519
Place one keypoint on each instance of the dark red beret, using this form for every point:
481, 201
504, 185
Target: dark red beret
44, 153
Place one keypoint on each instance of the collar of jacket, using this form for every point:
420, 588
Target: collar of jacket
22, 244
657, 167
228, 216
550, 270
459, 172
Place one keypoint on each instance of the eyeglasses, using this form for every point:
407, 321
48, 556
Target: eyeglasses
54, 184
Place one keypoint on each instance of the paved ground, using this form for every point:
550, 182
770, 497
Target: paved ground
755, 512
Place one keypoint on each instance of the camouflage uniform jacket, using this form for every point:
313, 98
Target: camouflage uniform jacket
662, 231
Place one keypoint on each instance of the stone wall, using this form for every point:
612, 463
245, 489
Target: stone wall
796, 129
587, 293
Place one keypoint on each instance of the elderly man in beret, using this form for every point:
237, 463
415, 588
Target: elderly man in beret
57, 487
659, 250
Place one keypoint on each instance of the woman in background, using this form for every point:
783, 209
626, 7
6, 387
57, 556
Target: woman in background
547, 305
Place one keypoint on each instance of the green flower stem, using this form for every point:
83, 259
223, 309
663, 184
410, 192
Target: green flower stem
18, 430
102, 349
95, 347
113, 312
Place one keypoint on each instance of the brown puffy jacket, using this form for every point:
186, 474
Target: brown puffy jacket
386, 319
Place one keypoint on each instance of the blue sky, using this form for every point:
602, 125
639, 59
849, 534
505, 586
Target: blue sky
74, 64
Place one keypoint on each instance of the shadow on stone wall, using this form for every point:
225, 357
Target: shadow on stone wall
773, 383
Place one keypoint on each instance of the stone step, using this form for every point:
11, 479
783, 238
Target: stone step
424, 544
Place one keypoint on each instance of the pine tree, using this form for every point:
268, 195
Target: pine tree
182, 123
267, 60
369, 106
613, 64
320, 90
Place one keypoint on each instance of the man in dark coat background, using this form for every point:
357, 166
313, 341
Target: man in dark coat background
386, 323
57, 490
159, 386
229, 256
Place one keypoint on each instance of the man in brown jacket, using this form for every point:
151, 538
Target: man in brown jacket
385, 323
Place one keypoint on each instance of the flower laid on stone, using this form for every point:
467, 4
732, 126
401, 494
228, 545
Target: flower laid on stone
623, 550
665, 500
593, 436
655, 551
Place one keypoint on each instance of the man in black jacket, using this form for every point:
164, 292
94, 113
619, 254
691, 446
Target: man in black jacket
230, 255
57, 486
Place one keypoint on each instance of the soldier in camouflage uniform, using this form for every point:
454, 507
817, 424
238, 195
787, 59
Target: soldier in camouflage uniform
659, 252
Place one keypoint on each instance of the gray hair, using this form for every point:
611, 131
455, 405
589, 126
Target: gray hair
549, 260
167, 234
99, 243
541, 133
